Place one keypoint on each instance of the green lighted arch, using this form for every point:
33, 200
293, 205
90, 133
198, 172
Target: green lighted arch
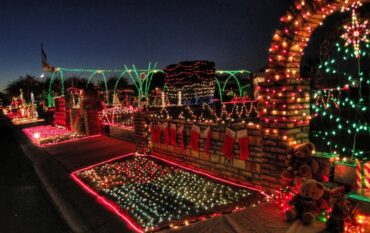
50, 96
142, 84
219, 89
102, 72
231, 75
91, 76
118, 79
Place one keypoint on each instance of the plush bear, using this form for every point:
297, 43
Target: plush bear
308, 203
301, 165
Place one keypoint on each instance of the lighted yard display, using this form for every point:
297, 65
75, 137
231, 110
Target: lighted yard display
141, 78
152, 193
241, 138
47, 134
356, 32
119, 116
20, 111
341, 121
194, 80
223, 86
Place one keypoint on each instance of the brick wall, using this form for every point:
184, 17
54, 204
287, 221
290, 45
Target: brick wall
92, 122
74, 115
122, 133
140, 119
278, 133
252, 171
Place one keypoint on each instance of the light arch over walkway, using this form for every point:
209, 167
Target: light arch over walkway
284, 96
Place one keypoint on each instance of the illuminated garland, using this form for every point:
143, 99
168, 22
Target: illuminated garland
239, 113
158, 195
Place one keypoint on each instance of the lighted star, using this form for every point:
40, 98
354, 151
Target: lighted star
355, 33
353, 6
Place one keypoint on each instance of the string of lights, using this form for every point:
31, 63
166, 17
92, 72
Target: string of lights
156, 194
344, 110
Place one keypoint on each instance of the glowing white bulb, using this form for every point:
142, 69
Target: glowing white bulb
36, 135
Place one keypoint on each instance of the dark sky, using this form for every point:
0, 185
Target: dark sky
235, 34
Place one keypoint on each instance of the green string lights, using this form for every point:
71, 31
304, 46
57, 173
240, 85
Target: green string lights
156, 195
141, 79
341, 113
232, 75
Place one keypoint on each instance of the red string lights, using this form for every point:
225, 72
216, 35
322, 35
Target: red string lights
51, 135
149, 189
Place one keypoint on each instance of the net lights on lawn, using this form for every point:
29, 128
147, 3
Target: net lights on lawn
47, 134
156, 195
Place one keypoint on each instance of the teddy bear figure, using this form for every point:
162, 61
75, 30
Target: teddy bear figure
308, 203
301, 165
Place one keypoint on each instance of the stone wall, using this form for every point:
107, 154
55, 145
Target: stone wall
280, 126
284, 120
141, 132
122, 133
92, 122
60, 115
254, 170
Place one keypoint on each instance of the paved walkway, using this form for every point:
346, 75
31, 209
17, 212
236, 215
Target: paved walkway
24, 206
53, 166
85, 152
82, 212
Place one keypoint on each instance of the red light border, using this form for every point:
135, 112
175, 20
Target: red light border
110, 205
213, 177
35, 142
67, 141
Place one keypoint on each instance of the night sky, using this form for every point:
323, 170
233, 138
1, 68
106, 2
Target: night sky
235, 34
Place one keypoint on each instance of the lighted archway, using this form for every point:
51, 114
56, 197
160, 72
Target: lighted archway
231, 76
52, 78
284, 96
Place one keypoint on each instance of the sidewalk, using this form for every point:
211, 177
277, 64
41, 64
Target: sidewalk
53, 166
24, 208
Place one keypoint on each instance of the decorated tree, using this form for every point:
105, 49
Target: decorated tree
341, 107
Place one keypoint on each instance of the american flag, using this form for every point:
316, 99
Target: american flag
45, 66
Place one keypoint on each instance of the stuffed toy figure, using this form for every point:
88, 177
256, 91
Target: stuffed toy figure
301, 165
308, 203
